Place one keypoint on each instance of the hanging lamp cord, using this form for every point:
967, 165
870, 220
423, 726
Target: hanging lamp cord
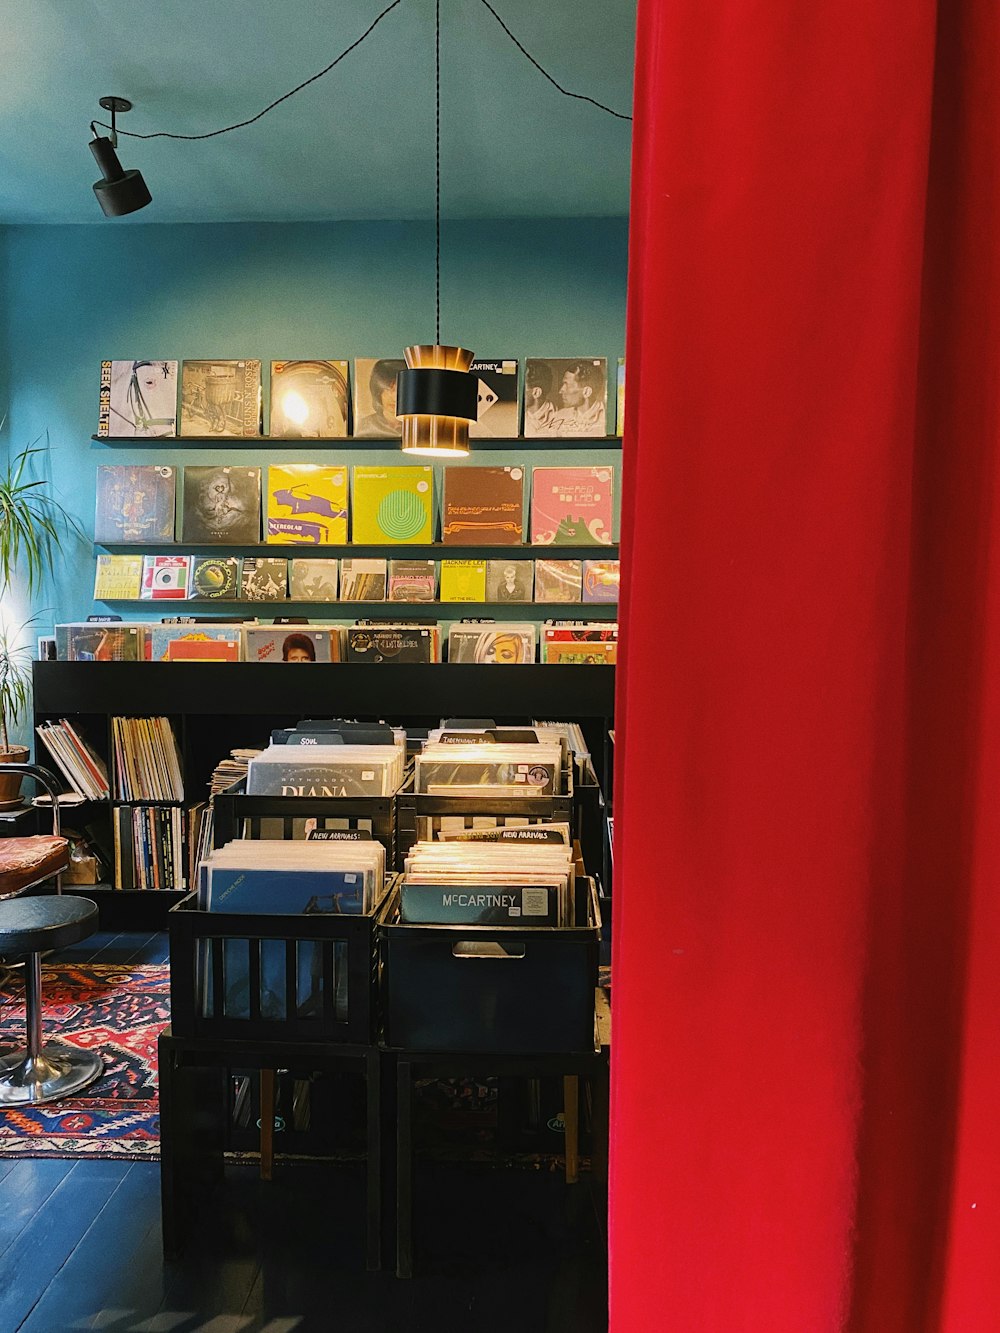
242, 124
437, 169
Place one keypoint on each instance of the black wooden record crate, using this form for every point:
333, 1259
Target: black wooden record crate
506, 990
274, 977
238, 815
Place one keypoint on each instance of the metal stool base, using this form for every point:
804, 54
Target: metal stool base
56, 1071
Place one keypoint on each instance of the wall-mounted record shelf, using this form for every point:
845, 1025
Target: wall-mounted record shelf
385, 551
399, 610
350, 442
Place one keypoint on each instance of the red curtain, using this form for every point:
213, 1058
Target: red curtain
806, 981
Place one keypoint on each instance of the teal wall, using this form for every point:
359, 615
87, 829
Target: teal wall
73, 295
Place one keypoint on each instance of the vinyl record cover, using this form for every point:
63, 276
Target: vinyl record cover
510, 580
100, 643
215, 577
600, 580
483, 506
306, 504
286, 643
118, 578
620, 426
572, 506
220, 398
558, 580
580, 654
412, 580
194, 643
565, 396
309, 399
313, 580
135, 505
138, 398
393, 504
165, 577
391, 643
363, 580
265, 578
501, 645
499, 412
221, 506
463, 580
375, 397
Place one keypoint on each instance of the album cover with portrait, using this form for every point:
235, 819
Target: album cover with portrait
565, 396
313, 580
309, 399
393, 504
138, 398
375, 397
499, 409
510, 580
483, 506
306, 504
135, 505
221, 506
220, 398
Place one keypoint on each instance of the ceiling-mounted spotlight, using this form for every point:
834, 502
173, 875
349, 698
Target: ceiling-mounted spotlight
120, 191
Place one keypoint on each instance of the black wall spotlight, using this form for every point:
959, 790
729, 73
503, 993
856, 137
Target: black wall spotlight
120, 191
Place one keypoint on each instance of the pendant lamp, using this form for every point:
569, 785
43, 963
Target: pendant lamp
436, 395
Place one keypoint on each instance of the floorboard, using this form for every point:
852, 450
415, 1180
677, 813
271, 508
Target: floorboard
41, 1248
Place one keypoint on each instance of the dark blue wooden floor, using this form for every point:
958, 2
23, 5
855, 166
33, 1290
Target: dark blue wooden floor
497, 1250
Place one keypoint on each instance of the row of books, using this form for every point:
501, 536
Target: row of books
314, 504
273, 579
485, 642
149, 847
146, 763
562, 396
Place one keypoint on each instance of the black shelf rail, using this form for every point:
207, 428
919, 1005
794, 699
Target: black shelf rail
351, 442
349, 551
391, 610
262, 689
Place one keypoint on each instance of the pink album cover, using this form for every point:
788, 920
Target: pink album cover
572, 506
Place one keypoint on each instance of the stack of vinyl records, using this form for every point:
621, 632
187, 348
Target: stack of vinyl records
506, 882
149, 847
327, 770
581, 643
80, 766
147, 766
288, 877
230, 771
495, 770
265, 876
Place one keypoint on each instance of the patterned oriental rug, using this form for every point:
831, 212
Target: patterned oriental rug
119, 1011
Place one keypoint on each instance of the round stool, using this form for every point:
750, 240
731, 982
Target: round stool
43, 1073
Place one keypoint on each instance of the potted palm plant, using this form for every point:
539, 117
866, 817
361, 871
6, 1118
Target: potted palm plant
30, 523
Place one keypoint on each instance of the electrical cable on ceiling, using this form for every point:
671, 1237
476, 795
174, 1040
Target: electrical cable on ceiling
164, 134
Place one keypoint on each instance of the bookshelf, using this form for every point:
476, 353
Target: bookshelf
215, 707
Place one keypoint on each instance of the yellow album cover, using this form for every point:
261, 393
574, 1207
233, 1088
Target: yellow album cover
306, 504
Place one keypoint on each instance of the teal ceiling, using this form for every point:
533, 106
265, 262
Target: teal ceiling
359, 143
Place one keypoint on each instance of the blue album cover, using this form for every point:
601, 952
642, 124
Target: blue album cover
285, 891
